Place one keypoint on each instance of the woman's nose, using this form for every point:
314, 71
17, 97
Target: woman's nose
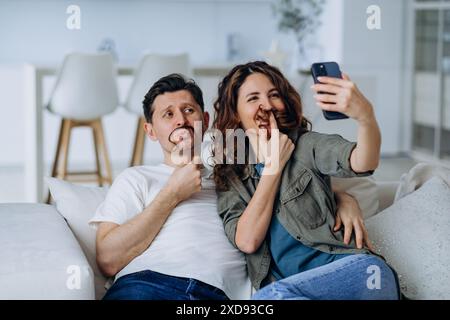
265, 106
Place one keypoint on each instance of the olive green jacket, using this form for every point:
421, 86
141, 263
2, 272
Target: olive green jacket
305, 203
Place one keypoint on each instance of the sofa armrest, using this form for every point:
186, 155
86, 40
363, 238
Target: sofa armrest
40, 257
386, 193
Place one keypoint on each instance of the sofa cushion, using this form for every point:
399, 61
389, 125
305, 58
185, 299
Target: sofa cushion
40, 258
77, 204
413, 235
418, 175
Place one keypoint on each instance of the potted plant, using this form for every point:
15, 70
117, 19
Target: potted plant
301, 17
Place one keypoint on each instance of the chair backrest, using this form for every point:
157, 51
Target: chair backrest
151, 68
86, 87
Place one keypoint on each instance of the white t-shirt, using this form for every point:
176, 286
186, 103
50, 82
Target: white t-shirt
192, 242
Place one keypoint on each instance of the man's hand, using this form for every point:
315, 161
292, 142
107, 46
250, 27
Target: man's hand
349, 214
185, 181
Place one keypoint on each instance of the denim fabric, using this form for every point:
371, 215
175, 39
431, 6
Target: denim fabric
355, 277
150, 285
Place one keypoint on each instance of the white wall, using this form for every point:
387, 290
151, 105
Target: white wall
35, 31
378, 57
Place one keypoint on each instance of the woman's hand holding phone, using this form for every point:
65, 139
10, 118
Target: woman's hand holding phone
342, 95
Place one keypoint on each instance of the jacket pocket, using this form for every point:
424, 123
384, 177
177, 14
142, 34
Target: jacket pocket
298, 202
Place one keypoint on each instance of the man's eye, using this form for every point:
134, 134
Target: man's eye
168, 114
189, 110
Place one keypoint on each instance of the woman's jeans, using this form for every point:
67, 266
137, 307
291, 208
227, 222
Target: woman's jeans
356, 277
150, 285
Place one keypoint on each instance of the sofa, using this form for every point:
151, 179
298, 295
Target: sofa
45, 254
38, 255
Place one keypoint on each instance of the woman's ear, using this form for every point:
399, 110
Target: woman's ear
150, 131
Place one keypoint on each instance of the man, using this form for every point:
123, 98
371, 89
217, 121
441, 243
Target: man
158, 231
158, 228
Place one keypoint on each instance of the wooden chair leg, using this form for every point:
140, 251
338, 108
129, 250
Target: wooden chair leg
65, 142
60, 163
139, 144
55, 166
102, 145
97, 155
58, 149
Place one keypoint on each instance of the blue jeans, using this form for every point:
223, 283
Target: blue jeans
356, 277
150, 285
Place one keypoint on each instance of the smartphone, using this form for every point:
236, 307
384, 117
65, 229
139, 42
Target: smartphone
327, 69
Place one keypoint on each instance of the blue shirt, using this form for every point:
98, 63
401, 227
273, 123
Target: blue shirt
290, 256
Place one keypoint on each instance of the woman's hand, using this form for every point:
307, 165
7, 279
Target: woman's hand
342, 95
349, 214
275, 151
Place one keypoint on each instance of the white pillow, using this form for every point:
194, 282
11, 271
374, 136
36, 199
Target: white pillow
419, 175
363, 189
77, 204
413, 235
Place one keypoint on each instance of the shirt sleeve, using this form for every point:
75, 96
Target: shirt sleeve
124, 200
330, 155
230, 207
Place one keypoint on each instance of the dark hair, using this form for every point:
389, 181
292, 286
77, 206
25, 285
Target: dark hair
226, 116
171, 83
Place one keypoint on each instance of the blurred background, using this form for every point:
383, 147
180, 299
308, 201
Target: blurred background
396, 51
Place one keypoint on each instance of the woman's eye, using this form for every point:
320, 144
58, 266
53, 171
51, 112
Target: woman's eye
253, 98
275, 95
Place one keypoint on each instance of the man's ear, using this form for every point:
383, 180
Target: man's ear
206, 120
150, 131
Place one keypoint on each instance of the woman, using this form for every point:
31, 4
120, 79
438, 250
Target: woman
281, 211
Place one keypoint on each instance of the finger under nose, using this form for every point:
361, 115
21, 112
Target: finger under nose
273, 121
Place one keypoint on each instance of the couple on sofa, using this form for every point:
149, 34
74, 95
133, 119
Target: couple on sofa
179, 231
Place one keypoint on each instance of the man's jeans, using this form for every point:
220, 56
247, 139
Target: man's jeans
356, 277
150, 285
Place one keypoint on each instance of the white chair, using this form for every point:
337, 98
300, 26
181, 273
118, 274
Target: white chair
151, 68
85, 90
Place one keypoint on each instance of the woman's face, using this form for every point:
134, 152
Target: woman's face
256, 99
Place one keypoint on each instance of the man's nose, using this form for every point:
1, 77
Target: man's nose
180, 119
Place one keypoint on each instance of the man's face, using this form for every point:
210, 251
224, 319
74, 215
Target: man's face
174, 110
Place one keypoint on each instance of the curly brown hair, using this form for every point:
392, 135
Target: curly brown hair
226, 115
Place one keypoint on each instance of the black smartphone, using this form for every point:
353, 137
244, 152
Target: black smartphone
327, 69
